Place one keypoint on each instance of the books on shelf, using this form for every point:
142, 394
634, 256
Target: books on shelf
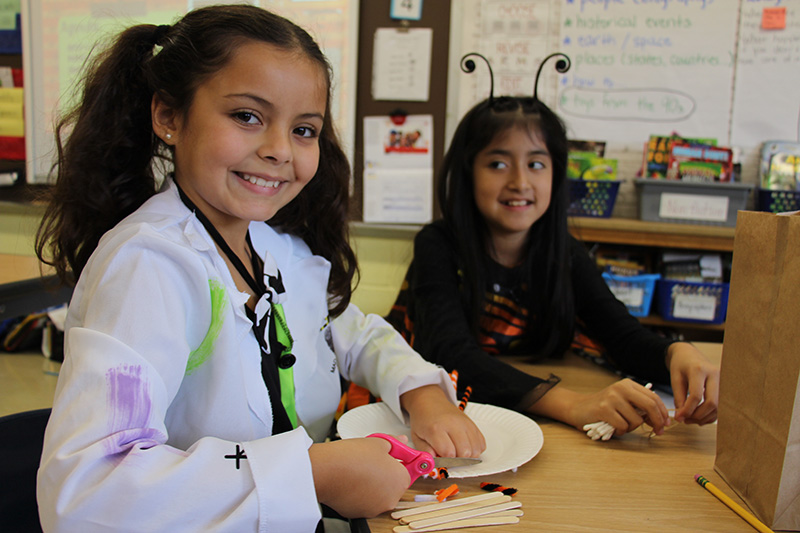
658, 150
780, 166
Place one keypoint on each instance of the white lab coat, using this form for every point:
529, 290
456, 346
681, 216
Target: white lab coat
162, 380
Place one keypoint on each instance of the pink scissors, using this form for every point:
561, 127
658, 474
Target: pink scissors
416, 462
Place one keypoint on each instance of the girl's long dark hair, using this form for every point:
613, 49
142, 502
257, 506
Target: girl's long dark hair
546, 259
106, 148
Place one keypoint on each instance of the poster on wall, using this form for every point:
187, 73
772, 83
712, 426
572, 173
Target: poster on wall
401, 64
398, 169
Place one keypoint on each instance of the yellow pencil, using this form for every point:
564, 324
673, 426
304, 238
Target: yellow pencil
735, 507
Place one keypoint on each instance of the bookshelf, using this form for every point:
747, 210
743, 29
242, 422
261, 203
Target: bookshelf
658, 236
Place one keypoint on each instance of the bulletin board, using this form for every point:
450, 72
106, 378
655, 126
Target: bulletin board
58, 35
375, 15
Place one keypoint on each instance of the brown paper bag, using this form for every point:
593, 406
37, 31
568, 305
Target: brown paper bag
758, 434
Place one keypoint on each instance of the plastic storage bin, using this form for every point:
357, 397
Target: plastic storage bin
636, 292
778, 201
592, 198
11, 40
710, 204
692, 301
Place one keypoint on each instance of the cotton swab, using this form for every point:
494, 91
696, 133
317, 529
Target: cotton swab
599, 430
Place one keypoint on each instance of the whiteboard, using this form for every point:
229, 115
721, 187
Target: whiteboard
654, 67
58, 35
701, 68
766, 101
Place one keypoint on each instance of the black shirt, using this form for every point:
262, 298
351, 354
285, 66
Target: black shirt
431, 313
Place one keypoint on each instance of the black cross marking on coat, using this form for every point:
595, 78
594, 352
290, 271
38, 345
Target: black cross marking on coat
238, 456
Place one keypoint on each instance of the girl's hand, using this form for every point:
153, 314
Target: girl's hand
624, 405
695, 384
438, 426
357, 477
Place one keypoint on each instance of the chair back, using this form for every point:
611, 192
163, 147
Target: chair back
21, 441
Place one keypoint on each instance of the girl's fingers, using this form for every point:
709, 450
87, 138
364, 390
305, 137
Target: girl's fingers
707, 408
678, 392
655, 416
423, 445
705, 414
452, 441
693, 399
623, 407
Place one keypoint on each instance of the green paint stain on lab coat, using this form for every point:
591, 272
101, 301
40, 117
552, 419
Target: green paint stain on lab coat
219, 300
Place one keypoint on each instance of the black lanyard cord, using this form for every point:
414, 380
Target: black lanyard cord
269, 354
258, 288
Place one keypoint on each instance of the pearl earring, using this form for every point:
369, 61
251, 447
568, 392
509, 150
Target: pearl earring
168, 136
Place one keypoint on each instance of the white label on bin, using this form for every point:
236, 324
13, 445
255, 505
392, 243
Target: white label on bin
693, 207
630, 296
694, 306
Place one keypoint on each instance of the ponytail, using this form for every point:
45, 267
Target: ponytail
105, 149
104, 169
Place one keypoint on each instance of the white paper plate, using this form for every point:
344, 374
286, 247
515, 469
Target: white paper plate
512, 439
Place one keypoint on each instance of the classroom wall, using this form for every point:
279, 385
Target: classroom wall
383, 256
383, 260
17, 229
489, 26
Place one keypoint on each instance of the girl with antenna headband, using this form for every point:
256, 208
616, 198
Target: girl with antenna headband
501, 274
205, 347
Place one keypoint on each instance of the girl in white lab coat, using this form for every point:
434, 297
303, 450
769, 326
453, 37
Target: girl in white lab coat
204, 347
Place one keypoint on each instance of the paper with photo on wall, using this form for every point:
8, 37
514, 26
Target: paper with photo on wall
398, 170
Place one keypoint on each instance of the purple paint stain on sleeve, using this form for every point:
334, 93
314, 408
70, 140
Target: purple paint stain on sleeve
129, 406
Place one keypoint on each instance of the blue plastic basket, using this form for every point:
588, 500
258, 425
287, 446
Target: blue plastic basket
692, 301
778, 201
592, 198
11, 40
636, 292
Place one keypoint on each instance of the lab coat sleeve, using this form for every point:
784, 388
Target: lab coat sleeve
372, 354
106, 464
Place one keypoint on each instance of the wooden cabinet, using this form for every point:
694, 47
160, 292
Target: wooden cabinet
659, 236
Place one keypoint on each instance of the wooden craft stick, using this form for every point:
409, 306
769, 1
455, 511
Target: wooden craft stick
491, 520
401, 505
452, 517
511, 512
444, 505
451, 510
